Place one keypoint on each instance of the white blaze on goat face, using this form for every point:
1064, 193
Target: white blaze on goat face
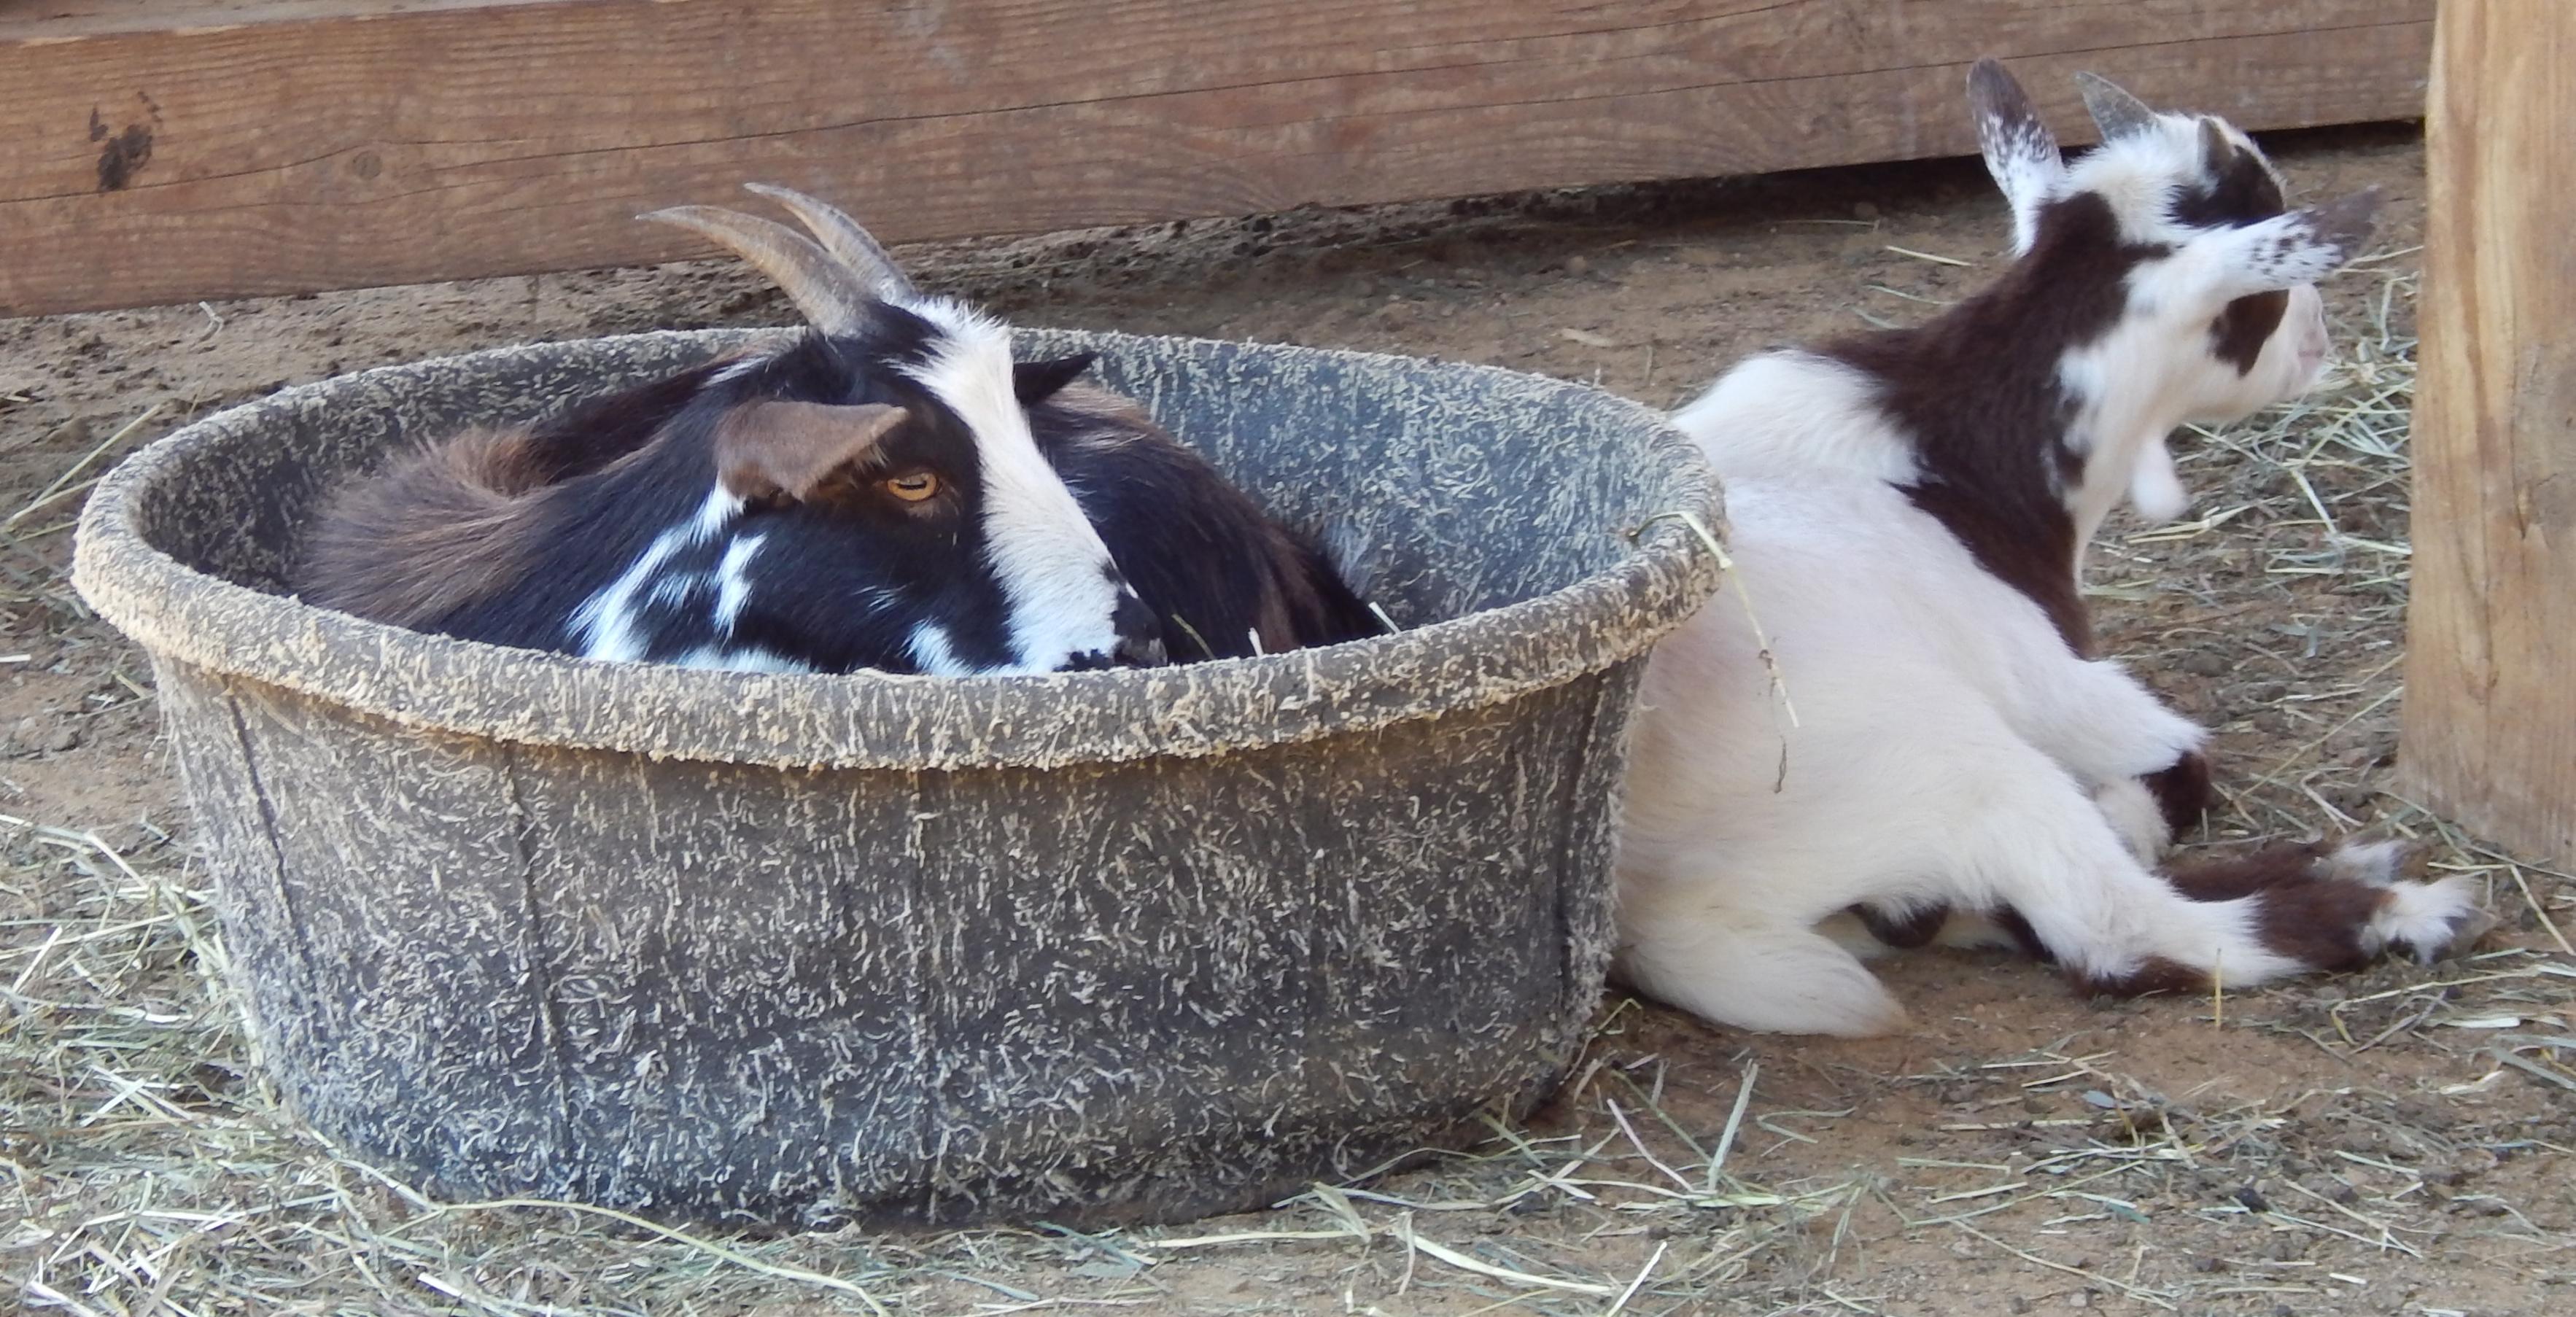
885, 495
1063, 587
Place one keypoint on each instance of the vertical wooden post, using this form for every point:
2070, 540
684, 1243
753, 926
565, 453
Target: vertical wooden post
2490, 717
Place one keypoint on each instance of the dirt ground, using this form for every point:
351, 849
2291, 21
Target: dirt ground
2387, 1142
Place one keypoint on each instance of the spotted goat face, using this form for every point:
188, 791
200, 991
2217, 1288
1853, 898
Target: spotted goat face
2190, 281
867, 498
868, 494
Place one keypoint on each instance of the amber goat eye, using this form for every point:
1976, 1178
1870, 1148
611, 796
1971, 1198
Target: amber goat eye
914, 487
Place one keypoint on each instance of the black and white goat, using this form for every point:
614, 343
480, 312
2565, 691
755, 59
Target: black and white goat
888, 490
1908, 511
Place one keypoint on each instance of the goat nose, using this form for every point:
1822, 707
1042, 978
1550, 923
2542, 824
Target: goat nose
1140, 639
1139, 652
2315, 344
2305, 326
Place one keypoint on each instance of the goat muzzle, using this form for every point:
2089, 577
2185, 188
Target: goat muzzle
1140, 652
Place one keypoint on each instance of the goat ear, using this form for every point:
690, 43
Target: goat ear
2216, 151
771, 450
2117, 113
1034, 382
2300, 247
2020, 152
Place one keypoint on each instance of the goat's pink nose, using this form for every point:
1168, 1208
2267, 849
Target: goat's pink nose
2312, 342
2312, 351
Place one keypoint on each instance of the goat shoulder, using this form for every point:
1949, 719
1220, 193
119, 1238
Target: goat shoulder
1801, 413
1224, 579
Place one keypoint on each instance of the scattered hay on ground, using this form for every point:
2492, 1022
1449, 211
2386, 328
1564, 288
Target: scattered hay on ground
153, 1172
1683, 1171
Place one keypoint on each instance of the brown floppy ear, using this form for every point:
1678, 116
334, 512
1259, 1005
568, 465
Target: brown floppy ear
772, 450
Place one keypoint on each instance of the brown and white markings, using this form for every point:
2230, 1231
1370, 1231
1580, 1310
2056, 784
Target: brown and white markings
888, 490
1909, 511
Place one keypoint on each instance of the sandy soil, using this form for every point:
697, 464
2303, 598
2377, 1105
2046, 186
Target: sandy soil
2273, 1163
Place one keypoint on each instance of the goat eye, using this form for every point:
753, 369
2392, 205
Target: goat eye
913, 487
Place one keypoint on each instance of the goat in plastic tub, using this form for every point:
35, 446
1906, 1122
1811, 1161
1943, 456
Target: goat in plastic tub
1089, 946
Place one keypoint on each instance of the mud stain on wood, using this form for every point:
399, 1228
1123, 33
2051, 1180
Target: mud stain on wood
124, 154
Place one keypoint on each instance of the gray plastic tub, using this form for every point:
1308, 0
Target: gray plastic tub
1092, 946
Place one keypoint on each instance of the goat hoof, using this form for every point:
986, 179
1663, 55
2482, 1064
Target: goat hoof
2427, 921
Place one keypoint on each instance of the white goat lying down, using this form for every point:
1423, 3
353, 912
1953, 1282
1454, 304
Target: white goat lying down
1909, 510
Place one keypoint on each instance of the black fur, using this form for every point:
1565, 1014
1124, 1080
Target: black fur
842, 577
1210, 564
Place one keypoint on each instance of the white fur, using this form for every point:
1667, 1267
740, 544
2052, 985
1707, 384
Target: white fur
2134, 386
2374, 863
2424, 918
1949, 748
2137, 173
1790, 414
743, 658
1062, 585
733, 583
2154, 371
1932, 762
604, 625
2133, 813
2020, 153
935, 653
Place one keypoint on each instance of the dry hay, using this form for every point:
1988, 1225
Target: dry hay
152, 1173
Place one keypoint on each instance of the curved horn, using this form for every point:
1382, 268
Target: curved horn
849, 244
833, 298
2114, 111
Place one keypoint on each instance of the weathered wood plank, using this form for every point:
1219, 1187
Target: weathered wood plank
305, 144
2490, 721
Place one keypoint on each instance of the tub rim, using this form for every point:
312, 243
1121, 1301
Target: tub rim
877, 720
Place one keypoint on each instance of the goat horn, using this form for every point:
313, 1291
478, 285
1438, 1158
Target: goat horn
832, 297
849, 244
2114, 111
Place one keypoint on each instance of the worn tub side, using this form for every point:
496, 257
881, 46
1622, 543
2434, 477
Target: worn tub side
1088, 947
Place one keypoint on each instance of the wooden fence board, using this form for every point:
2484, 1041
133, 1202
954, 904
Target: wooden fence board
2489, 732
178, 150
